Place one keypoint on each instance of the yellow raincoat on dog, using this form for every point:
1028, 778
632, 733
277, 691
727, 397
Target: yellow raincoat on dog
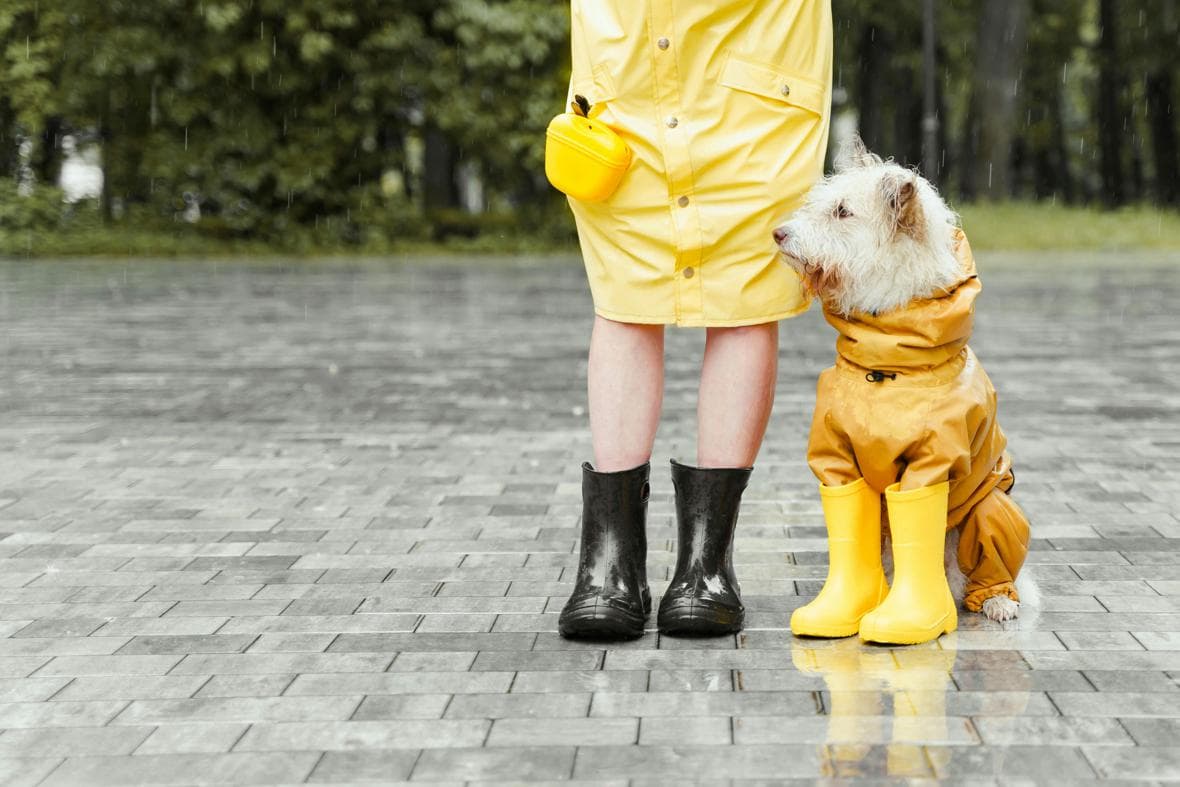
907, 401
725, 106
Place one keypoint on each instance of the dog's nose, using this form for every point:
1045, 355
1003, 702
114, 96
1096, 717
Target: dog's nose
780, 234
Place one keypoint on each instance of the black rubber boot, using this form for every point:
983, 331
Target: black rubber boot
611, 599
704, 597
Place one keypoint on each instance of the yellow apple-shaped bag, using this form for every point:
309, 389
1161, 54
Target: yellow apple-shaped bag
584, 157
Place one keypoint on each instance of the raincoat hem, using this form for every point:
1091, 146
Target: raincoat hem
698, 322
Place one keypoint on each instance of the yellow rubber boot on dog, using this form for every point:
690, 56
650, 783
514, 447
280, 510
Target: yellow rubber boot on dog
919, 606
856, 580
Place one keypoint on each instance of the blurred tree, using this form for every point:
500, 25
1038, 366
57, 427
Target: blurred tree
1160, 33
1042, 150
1110, 113
996, 84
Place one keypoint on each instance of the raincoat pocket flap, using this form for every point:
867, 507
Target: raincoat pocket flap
773, 82
599, 87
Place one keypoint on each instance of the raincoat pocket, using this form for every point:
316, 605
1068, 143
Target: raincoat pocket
774, 82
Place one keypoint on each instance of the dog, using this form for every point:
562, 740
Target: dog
907, 400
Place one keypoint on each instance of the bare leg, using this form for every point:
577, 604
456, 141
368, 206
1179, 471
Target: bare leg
737, 392
625, 382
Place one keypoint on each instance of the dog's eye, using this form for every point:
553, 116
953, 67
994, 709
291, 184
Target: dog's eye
841, 212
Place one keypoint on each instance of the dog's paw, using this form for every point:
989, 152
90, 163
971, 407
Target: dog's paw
1000, 608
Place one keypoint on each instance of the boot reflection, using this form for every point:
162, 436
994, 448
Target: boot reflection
918, 687
860, 679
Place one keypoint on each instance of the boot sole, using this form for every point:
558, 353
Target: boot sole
911, 636
600, 622
832, 632
699, 621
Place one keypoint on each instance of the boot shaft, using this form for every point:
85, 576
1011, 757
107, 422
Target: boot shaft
707, 503
917, 522
614, 520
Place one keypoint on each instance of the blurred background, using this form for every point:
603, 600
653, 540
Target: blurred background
182, 126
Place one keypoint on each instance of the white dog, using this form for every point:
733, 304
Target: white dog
907, 402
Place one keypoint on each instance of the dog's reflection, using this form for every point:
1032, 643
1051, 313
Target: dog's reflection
882, 696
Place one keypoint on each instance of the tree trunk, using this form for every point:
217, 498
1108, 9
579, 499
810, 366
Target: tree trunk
48, 157
1110, 117
1000, 50
7, 140
1161, 117
875, 53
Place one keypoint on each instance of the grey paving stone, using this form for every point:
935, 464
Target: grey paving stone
26, 771
1039, 763
364, 735
1140, 762
133, 687
244, 685
579, 680
30, 689
401, 683
432, 661
1052, 731
697, 762
250, 768
278, 663
16, 715
185, 644
497, 764
676, 731
109, 665
747, 703
71, 741
407, 706
500, 706
247, 709
562, 731
364, 766
204, 738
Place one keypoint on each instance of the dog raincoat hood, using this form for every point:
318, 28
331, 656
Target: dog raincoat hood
908, 402
921, 336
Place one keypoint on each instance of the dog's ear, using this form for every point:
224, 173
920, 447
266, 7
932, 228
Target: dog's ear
904, 206
853, 154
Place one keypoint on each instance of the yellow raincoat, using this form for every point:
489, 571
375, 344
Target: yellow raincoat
724, 105
934, 421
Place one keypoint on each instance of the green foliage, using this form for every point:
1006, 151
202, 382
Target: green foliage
20, 214
286, 115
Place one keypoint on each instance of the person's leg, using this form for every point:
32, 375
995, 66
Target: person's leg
625, 383
736, 394
737, 389
611, 598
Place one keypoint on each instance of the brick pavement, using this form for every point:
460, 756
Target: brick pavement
275, 523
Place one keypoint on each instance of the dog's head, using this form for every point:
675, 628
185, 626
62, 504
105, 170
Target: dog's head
872, 237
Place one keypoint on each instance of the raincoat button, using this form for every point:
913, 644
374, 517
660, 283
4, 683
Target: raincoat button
785, 90
673, 122
663, 43
682, 202
688, 272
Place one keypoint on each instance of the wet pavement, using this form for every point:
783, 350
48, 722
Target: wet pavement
267, 522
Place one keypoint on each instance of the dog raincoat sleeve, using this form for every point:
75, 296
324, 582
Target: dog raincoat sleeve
934, 422
725, 107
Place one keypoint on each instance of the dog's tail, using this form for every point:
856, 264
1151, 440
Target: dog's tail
1026, 587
